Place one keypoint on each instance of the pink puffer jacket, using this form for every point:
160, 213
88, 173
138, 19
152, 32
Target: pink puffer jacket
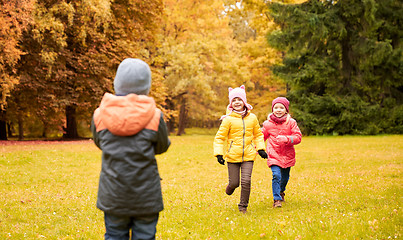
281, 154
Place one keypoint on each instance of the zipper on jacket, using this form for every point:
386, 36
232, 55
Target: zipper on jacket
230, 146
243, 139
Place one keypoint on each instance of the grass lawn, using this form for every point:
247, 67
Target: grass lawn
342, 187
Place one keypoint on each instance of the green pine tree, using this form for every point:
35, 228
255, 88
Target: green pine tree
343, 64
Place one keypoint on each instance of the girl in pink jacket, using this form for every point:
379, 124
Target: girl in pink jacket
282, 133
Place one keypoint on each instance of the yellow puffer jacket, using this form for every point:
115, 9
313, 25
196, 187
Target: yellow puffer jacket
242, 138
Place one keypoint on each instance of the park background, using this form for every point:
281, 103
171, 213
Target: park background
339, 62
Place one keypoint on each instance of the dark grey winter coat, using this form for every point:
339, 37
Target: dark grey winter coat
130, 131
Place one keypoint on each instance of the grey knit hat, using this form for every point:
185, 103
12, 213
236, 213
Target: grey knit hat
133, 76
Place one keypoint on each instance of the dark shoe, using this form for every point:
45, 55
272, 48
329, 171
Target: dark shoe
277, 204
243, 210
282, 194
229, 191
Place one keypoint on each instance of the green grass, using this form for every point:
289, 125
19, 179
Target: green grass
346, 187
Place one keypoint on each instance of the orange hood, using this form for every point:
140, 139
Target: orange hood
124, 115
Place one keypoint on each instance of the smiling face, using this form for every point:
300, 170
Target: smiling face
237, 104
279, 110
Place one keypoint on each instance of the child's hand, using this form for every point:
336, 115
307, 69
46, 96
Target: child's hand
282, 139
262, 153
220, 159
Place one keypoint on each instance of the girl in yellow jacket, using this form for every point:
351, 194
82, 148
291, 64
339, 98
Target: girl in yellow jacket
240, 134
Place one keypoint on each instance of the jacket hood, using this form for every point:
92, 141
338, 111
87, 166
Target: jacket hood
125, 115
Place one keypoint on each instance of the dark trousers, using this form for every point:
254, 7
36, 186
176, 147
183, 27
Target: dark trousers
118, 227
245, 168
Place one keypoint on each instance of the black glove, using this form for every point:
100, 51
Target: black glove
262, 153
220, 159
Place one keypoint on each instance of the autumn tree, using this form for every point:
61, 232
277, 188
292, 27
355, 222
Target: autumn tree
134, 33
14, 17
250, 22
67, 67
75, 48
201, 59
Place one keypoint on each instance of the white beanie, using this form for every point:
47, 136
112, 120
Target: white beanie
133, 76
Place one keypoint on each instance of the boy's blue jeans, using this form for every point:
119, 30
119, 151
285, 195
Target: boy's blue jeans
118, 227
280, 180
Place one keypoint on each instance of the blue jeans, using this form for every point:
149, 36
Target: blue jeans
280, 180
118, 227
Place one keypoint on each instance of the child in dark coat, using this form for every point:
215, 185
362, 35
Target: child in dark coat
130, 131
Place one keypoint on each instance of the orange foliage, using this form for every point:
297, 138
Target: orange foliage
14, 17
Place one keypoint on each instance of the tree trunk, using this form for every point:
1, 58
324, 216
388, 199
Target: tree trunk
3, 128
347, 66
71, 123
10, 132
182, 117
171, 125
45, 129
20, 126
171, 120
